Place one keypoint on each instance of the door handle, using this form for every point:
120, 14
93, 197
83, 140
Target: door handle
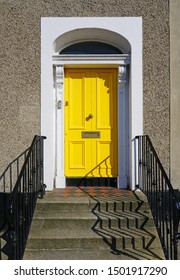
90, 116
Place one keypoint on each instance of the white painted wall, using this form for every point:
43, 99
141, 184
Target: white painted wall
52, 28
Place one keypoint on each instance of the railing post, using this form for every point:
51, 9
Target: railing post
176, 219
41, 170
136, 159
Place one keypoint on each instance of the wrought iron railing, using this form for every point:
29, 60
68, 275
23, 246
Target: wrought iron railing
9, 177
7, 182
21, 199
163, 199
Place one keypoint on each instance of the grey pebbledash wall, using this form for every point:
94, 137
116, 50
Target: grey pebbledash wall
175, 92
20, 66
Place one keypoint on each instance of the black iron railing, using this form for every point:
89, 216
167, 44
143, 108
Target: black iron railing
7, 182
9, 177
163, 199
21, 199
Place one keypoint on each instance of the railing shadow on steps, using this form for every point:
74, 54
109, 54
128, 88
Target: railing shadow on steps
110, 234
164, 201
21, 184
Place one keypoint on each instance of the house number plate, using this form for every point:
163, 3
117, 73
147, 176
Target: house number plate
91, 134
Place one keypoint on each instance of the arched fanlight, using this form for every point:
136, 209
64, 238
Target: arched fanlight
91, 47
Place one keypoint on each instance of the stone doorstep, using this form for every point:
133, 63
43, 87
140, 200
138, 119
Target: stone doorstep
99, 204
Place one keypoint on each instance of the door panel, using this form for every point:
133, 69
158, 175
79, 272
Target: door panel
102, 83
91, 106
77, 86
77, 147
77, 102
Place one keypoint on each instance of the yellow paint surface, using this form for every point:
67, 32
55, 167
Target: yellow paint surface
91, 106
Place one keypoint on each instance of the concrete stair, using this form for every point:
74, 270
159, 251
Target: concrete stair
93, 227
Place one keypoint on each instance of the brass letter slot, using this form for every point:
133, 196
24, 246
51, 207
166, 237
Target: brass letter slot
90, 134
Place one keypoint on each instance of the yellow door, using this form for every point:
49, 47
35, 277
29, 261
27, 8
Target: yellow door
91, 123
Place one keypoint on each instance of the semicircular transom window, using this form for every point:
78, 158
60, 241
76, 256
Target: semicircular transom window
91, 48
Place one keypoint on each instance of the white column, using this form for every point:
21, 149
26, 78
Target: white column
122, 129
59, 154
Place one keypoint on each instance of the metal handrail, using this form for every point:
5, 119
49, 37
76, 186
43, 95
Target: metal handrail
10, 174
163, 199
21, 201
8, 178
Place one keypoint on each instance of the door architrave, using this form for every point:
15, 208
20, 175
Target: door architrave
121, 62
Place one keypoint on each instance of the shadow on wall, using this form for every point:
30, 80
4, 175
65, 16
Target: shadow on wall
3, 220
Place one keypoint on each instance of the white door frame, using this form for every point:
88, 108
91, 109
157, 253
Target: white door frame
57, 33
106, 61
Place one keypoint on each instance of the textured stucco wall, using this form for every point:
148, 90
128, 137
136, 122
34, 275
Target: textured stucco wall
20, 65
175, 92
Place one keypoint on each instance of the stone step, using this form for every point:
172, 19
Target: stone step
128, 254
91, 238
117, 226
71, 204
62, 204
89, 219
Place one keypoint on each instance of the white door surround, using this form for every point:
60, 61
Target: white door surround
58, 33
123, 112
